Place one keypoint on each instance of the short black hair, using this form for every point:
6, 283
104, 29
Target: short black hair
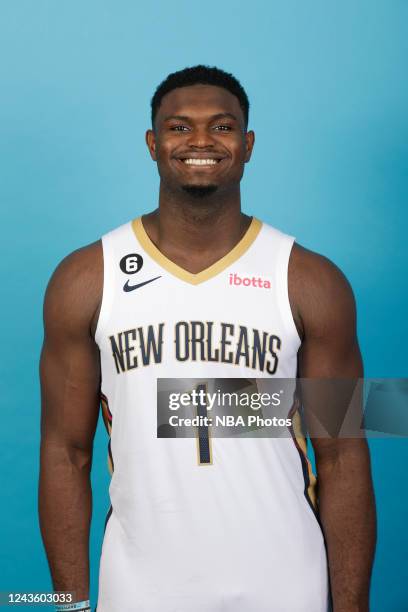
200, 75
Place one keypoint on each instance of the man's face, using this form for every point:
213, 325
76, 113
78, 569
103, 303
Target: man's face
200, 139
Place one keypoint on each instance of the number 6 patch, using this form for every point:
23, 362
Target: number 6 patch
132, 263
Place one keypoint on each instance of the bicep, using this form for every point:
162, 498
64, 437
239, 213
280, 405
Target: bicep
329, 351
69, 364
69, 393
330, 347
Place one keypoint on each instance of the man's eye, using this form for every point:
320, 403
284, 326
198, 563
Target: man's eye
223, 128
179, 128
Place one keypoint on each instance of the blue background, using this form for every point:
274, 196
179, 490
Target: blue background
328, 87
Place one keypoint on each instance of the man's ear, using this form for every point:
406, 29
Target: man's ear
151, 143
250, 141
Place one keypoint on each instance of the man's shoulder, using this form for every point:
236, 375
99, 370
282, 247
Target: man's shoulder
314, 270
306, 266
318, 289
74, 291
80, 266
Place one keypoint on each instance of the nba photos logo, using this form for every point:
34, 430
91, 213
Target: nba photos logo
248, 280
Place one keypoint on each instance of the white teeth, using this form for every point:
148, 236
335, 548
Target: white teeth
200, 162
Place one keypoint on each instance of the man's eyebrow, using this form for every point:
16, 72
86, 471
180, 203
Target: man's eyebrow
211, 118
221, 115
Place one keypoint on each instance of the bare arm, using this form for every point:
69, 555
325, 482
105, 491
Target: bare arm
70, 382
324, 309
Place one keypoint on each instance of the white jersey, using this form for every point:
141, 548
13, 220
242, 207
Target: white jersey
231, 527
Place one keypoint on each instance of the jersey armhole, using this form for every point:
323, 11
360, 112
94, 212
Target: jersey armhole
283, 288
107, 292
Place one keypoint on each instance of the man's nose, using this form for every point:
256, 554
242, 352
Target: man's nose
200, 137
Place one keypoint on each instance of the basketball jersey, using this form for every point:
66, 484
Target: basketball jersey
233, 529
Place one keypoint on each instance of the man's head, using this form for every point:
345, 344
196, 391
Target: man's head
199, 134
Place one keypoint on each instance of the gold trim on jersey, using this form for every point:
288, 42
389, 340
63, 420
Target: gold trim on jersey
301, 440
236, 252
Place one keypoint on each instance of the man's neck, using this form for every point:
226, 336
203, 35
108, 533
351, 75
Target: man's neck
196, 232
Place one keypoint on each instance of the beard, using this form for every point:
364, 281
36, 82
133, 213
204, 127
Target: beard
200, 191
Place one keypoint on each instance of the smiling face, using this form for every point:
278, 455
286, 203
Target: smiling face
199, 141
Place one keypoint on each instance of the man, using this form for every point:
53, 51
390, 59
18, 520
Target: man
234, 525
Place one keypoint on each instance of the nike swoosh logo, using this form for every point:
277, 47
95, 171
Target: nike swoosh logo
127, 287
